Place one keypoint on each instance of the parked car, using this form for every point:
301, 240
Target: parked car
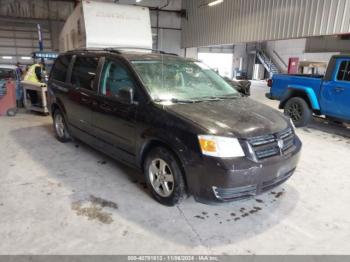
176, 120
301, 96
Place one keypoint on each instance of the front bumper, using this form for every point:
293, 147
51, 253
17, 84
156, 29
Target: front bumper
214, 180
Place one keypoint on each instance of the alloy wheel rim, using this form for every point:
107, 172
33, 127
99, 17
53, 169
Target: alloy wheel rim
161, 177
295, 112
59, 125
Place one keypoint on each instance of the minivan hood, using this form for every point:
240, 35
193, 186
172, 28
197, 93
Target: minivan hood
242, 117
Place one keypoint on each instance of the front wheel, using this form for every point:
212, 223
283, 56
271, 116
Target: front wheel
164, 177
299, 111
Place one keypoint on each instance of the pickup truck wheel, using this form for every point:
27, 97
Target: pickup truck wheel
299, 111
164, 177
60, 127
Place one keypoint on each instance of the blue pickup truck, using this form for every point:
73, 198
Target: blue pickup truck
301, 96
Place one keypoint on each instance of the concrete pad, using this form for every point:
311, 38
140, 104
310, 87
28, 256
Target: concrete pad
70, 199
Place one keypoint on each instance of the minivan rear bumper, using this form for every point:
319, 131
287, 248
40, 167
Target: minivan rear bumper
216, 180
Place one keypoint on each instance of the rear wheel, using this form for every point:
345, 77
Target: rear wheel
164, 176
60, 127
299, 111
11, 112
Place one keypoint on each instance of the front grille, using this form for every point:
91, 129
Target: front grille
238, 193
269, 146
266, 153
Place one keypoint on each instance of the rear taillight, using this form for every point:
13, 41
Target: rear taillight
269, 83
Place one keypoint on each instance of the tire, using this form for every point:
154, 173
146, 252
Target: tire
299, 111
164, 177
60, 127
11, 112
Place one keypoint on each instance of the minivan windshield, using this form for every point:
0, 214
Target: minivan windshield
179, 80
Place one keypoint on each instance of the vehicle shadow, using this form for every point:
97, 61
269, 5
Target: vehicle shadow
327, 126
83, 172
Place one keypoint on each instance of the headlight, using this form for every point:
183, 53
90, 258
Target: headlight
218, 146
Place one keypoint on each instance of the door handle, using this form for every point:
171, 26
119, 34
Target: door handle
339, 89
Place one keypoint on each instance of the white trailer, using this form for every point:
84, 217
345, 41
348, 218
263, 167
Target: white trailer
106, 25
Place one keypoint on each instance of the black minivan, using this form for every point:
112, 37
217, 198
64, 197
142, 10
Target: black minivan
179, 122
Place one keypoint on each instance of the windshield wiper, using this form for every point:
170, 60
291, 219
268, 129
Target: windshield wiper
208, 99
215, 98
230, 96
174, 101
196, 100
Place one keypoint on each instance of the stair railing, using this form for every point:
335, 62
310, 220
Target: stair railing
280, 59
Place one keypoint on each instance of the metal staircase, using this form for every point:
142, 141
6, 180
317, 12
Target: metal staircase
267, 62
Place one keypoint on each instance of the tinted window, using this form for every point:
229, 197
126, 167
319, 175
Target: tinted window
84, 72
344, 71
59, 71
114, 78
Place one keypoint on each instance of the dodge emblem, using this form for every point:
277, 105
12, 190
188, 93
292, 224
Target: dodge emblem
280, 143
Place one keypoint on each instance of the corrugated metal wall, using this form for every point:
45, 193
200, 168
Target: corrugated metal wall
18, 27
38, 9
239, 21
19, 38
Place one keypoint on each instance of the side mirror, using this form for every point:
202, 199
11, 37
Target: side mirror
243, 87
126, 95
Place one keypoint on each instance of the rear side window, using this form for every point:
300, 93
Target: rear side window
84, 72
344, 71
59, 72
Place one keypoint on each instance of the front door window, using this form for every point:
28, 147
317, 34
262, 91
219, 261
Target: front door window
115, 77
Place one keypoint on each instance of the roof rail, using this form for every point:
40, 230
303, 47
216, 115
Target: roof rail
119, 50
94, 50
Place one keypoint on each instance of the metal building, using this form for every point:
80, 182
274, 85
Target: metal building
240, 21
